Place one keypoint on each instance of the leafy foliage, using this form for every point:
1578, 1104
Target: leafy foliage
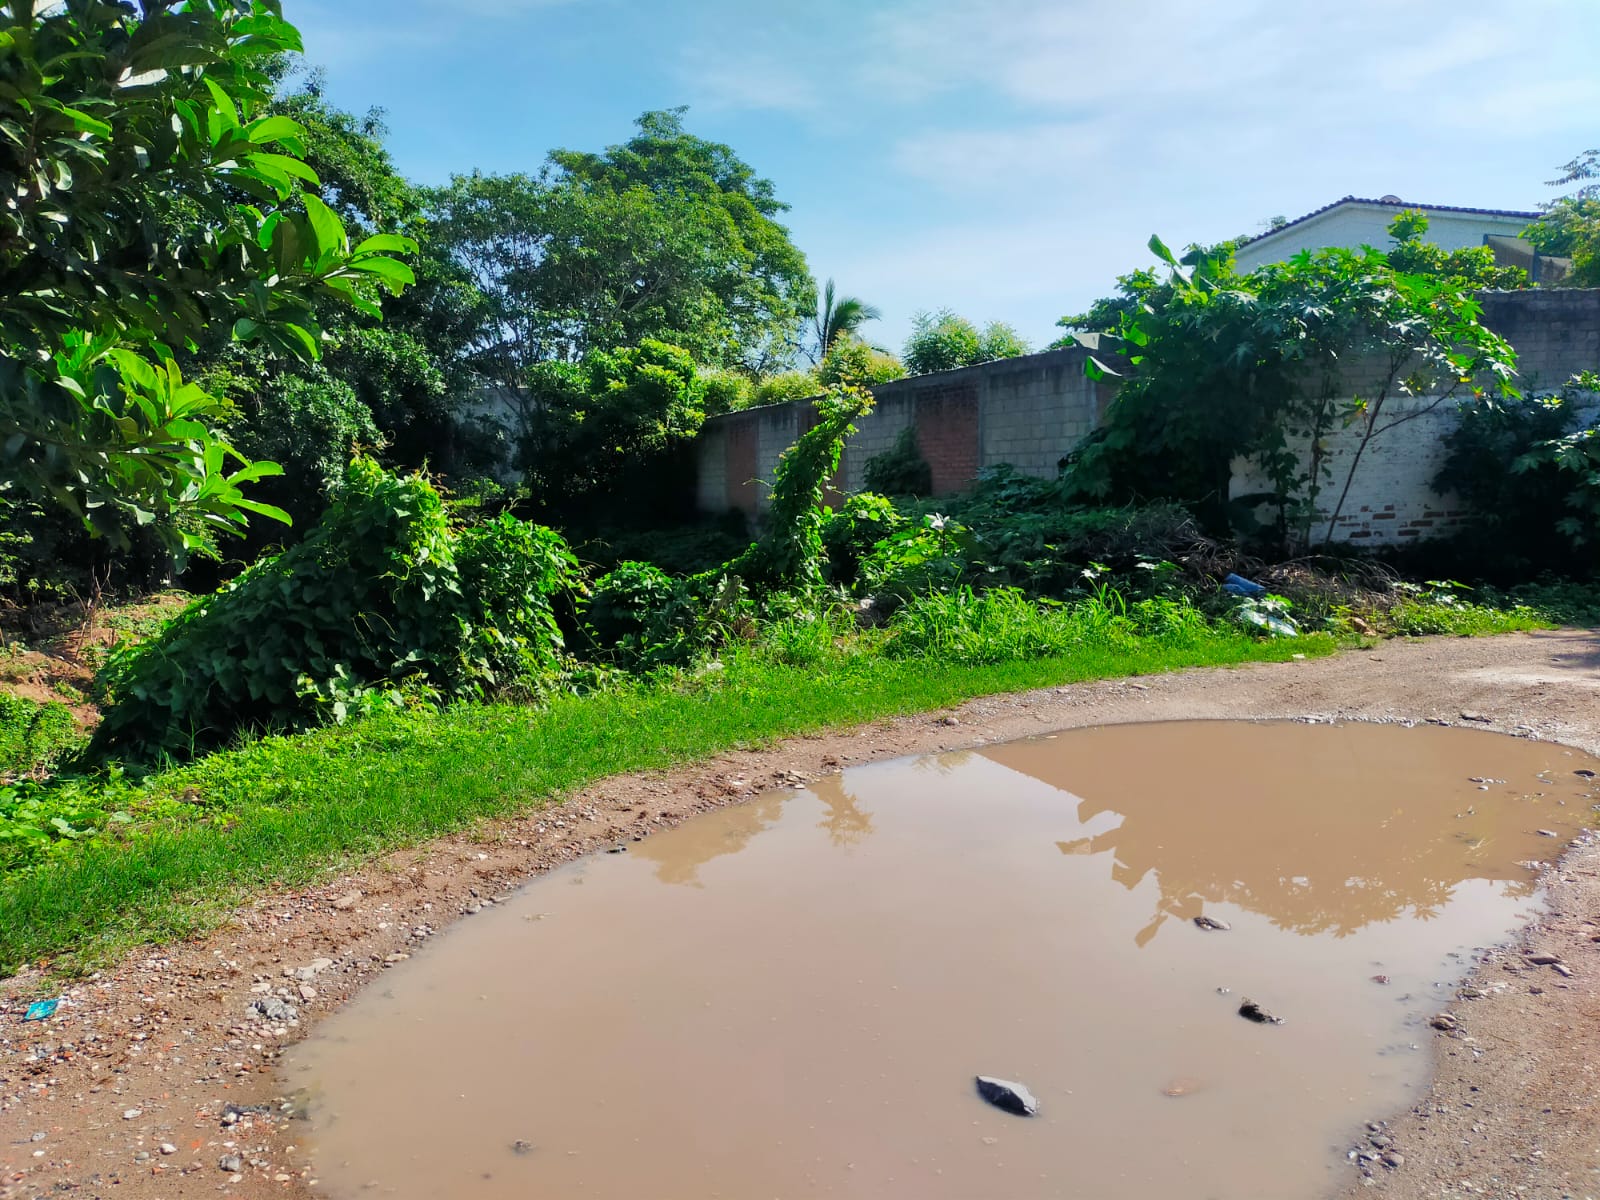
850, 360
666, 237
839, 316
126, 144
382, 603
790, 552
1570, 226
786, 386
607, 418
726, 391
1468, 266
943, 341
849, 535
900, 470
1264, 367
33, 735
1501, 461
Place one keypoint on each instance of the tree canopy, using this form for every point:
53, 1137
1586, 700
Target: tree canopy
151, 204
666, 236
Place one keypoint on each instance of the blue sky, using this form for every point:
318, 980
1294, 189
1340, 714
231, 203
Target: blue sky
1006, 158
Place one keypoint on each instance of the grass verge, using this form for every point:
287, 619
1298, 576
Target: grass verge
280, 811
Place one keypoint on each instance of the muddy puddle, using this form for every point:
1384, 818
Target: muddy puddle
792, 997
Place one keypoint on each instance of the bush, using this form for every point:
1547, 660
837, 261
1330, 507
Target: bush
32, 736
850, 360
936, 554
900, 470
381, 604
791, 385
1517, 501
726, 391
849, 535
943, 341
628, 609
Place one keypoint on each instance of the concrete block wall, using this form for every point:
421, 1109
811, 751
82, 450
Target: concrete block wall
1031, 412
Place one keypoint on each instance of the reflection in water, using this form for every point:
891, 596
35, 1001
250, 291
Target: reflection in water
807, 1017
847, 823
1311, 829
695, 843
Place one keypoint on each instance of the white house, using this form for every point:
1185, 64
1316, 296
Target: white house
1354, 222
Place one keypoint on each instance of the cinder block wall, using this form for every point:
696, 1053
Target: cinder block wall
1030, 412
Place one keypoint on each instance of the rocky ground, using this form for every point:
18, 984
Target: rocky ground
155, 1079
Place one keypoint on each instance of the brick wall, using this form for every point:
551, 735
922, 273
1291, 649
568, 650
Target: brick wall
1030, 412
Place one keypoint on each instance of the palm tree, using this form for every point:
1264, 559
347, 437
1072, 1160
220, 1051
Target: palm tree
839, 314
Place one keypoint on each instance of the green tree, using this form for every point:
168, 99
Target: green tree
1570, 227
130, 142
408, 370
665, 237
943, 341
606, 420
838, 315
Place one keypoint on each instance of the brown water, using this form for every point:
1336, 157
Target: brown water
791, 998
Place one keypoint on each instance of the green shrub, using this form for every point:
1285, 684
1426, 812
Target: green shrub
850, 360
726, 391
850, 534
512, 574
627, 610
900, 470
791, 385
1518, 496
32, 736
943, 341
373, 609
935, 554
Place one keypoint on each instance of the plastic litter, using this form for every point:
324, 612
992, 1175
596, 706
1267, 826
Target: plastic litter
41, 1010
1238, 585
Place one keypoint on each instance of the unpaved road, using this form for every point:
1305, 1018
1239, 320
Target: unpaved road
123, 1093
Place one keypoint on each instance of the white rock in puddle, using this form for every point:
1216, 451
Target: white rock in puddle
1008, 1096
1209, 923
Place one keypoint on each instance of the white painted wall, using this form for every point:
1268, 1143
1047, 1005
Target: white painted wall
1354, 223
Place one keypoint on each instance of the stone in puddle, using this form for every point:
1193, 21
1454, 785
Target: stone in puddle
1209, 923
1007, 1096
1251, 1011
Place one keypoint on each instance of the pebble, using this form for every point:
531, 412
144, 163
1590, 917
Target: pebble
1544, 960
1251, 1011
231, 1163
1209, 923
1562, 970
133, 1114
522, 1146
1008, 1096
167, 1148
1393, 1160
347, 901
1446, 1022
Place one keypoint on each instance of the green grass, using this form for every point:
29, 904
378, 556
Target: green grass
282, 811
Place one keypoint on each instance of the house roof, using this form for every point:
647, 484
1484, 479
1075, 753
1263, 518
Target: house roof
1399, 205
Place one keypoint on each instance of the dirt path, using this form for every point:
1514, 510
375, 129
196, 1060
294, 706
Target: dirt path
154, 1073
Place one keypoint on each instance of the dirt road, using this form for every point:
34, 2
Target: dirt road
156, 1079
